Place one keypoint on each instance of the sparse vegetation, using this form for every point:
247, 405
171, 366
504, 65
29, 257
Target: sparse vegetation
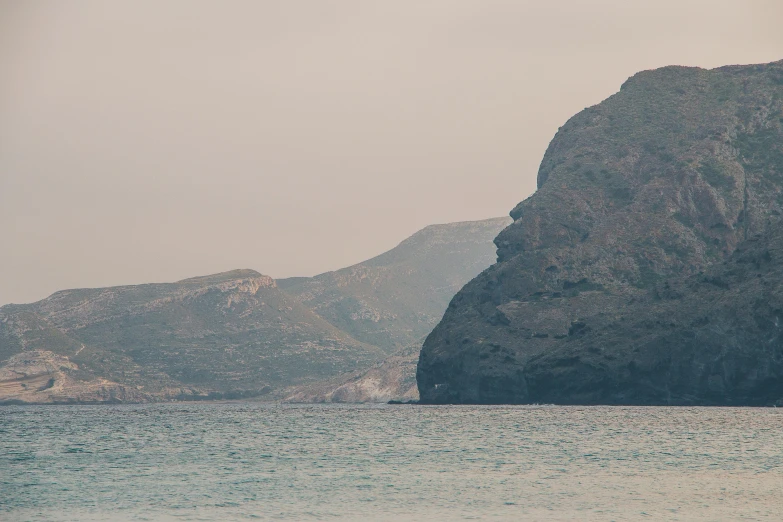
715, 173
762, 151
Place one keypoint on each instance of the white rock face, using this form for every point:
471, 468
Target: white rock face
41, 376
392, 379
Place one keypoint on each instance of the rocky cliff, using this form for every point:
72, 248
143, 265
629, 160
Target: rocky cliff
610, 285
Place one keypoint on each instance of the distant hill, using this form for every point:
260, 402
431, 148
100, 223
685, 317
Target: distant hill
237, 334
228, 335
395, 299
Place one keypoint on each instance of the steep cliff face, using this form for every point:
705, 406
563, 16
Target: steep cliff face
395, 299
714, 338
660, 181
233, 334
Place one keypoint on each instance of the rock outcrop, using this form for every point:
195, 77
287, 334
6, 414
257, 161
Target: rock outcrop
610, 285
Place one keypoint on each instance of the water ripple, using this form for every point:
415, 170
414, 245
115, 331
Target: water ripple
247, 461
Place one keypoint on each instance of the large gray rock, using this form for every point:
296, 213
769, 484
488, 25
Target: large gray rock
657, 184
714, 338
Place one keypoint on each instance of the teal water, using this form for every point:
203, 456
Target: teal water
247, 461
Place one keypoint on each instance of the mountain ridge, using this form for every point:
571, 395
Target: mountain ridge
233, 334
392, 300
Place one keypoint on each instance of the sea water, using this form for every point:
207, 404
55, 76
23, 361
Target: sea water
249, 461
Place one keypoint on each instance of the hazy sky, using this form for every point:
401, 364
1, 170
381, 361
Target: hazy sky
145, 141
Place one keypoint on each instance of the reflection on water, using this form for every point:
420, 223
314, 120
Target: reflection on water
254, 461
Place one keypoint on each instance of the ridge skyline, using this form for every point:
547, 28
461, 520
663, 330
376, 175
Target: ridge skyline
258, 273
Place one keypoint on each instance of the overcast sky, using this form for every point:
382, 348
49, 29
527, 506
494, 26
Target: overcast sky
147, 141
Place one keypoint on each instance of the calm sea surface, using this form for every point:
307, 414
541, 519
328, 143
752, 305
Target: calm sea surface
253, 461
